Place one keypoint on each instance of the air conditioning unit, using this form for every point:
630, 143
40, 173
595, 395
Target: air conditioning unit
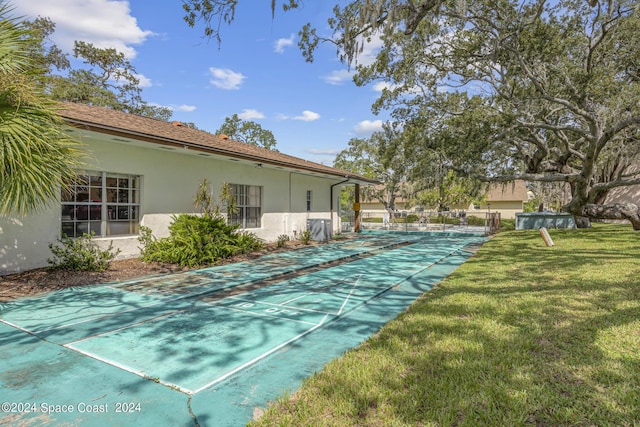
320, 229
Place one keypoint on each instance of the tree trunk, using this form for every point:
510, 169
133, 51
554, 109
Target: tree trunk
619, 211
582, 222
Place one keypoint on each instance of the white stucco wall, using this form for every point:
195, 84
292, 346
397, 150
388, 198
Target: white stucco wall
169, 182
24, 241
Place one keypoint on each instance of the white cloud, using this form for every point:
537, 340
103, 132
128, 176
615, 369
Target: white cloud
338, 77
184, 108
224, 78
248, 114
104, 23
324, 157
370, 50
367, 127
280, 44
366, 57
380, 86
307, 116
144, 80
324, 152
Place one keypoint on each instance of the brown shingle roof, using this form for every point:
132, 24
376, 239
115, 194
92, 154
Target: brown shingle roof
118, 123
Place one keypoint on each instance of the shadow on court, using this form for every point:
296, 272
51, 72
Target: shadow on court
183, 349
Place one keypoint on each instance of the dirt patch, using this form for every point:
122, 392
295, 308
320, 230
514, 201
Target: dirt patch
42, 280
45, 280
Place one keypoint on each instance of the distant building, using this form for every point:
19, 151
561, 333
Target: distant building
507, 198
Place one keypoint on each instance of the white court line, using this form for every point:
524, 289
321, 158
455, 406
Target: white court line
20, 328
99, 317
179, 311
349, 296
186, 296
271, 315
296, 298
262, 356
131, 325
130, 370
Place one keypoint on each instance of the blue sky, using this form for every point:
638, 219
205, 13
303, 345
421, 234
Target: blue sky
256, 72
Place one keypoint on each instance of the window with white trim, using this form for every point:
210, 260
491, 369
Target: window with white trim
248, 199
309, 194
106, 203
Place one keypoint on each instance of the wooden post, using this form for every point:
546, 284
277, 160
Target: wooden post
356, 209
546, 237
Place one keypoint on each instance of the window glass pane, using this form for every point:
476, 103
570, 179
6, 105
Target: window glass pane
254, 196
135, 196
253, 217
82, 180
96, 194
123, 182
95, 180
123, 212
112, 182
68, 196
123, 195
95, 212
81, 211
112, 211
112, 195
67, 212
82, 227
68, 229
95, 228
234, 218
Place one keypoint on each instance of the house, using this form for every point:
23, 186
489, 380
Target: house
142, 171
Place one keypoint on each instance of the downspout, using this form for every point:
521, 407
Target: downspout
331, 194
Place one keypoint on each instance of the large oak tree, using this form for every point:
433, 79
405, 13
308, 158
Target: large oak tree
533, 89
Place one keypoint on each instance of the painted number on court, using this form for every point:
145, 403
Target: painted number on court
270, 310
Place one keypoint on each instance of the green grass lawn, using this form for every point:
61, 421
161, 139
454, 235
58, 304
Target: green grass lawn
521, 334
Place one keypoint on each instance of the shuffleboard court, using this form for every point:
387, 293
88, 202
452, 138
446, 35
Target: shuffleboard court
70, 307
196, 347
184, 333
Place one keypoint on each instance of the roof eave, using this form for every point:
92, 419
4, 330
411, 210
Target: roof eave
111, 130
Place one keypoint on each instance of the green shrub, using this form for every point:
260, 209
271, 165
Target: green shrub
476, 221
507, 224
248, 242
412, 218
197, 240
80, 254
305, 237
282, 240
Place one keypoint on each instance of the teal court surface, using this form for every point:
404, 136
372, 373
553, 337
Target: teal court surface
209, 347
